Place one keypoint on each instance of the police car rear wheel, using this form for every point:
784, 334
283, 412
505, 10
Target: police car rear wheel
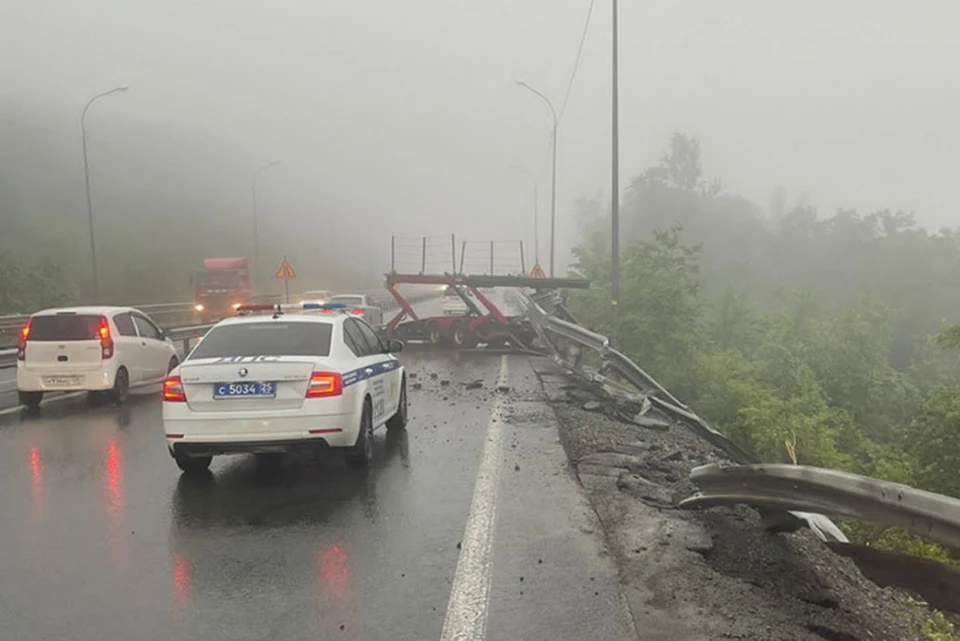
361, 453
399, 420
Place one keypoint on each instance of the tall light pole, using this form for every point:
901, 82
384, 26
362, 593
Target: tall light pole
256, 232
553, 186
536, 213
86, 178
615, 178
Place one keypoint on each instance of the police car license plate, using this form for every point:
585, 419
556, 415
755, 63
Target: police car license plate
254, 389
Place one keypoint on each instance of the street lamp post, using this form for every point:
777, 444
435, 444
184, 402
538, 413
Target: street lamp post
536, 213
256, 232
86, 177
553, 186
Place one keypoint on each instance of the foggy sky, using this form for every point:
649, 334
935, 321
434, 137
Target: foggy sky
403, 117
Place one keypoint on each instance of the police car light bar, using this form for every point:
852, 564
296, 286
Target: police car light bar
279, 308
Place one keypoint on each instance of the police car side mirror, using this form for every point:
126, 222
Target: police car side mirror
394, 346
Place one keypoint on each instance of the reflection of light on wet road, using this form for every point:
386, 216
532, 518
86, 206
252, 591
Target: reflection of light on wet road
333, 574
36, 484
114, 491
181, 578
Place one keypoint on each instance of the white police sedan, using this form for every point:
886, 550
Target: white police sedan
269, 381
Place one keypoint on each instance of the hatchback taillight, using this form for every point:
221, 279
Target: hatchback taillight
106, 340
173, 390
358, 312
324, 384
22, 346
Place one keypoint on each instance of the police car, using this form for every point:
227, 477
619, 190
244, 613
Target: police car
269, 381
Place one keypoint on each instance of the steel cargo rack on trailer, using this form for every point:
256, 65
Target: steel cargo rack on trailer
483, 323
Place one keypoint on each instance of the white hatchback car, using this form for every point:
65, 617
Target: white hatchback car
360, 305
101, 350
268, 384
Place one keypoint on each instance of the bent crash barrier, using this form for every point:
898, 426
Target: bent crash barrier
787, 496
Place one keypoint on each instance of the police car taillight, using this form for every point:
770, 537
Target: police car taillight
324, 384
22, 346
173, 390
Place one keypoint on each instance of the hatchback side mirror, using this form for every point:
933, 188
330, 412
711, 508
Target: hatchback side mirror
394, 346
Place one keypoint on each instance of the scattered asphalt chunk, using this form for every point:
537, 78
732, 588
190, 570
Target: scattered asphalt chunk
417, 385
444, 383
516, 467
650, 422
433, 376
413, 375
458, 545
503, 388
474, 385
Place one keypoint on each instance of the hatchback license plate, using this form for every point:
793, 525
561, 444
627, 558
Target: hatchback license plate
258, 389
61, 380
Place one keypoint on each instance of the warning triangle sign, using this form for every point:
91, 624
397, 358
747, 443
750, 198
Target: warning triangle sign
286, 271
537, 272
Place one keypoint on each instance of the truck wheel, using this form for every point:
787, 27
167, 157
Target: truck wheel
463, 337
435, 334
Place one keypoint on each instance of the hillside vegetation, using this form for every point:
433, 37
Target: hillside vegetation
824, 340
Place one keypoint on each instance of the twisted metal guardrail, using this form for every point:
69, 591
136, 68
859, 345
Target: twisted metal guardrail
174, 319
802, 494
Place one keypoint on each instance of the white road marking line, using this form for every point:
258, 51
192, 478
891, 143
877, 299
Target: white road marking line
53, 399
466, 618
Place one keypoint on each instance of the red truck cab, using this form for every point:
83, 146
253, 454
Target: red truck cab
220, 287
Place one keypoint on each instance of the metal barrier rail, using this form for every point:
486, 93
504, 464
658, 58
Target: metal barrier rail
560, 335
799, 487
186, 334
785, 495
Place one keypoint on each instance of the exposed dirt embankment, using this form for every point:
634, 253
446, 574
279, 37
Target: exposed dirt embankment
715, 574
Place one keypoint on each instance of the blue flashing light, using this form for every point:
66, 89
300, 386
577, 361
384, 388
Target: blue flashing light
323, 306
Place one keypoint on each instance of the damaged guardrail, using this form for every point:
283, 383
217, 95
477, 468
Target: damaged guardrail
785, 495
798, 487
566, 340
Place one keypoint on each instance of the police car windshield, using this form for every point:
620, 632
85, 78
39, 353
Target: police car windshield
274, 338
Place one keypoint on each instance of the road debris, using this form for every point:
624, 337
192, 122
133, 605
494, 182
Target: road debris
719, 573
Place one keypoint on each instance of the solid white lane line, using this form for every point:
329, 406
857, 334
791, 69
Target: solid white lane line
466, 618
48, 401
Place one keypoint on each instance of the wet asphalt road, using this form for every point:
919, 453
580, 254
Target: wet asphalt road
101, 538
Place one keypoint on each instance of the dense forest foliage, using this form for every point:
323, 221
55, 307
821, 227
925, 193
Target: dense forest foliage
823, 340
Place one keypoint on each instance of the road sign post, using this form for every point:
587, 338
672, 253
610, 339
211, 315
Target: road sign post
286, 274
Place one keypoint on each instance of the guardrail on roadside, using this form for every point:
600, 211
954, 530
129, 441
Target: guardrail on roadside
187, 333
801, 494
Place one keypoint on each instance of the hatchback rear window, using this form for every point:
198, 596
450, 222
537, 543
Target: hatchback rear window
266, 339
65, 327
347, 300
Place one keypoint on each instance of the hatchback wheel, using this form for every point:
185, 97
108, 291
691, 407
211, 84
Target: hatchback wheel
121, 387
193, 464
30, 400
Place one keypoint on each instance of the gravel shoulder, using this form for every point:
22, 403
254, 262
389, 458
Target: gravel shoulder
713, 574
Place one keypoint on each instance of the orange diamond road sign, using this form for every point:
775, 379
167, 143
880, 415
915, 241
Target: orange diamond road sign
537, 272
286, 271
